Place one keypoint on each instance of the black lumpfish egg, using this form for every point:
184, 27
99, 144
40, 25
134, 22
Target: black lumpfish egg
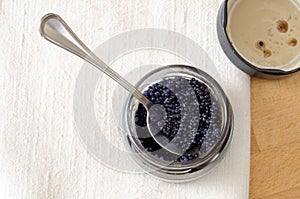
175, 94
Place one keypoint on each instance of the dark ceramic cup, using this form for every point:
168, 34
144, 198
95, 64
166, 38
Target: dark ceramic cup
236, 58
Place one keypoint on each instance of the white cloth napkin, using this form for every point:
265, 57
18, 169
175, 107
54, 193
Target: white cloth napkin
42, 154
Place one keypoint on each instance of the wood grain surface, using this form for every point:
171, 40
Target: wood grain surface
275, 139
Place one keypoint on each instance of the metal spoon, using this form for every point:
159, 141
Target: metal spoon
54, 29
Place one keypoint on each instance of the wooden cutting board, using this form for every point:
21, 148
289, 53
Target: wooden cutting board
275, 138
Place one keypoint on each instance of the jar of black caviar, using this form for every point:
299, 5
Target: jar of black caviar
198, 117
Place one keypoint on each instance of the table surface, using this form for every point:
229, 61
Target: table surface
275, 146
275, 138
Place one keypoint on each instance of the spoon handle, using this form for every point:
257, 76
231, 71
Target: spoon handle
54, 29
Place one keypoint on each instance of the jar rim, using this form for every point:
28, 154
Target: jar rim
212, 156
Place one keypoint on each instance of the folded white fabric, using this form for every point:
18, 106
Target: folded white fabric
42, 155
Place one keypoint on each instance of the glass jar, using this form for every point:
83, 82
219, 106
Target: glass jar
212, 145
